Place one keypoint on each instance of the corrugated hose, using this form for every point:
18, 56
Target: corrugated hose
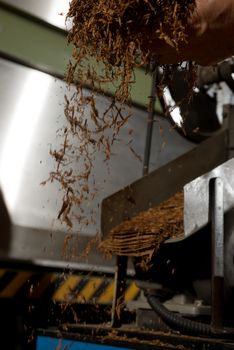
176, 321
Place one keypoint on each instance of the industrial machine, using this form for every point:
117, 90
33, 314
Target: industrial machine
190, 279
67, 300
42, 265
186, 296
175, 305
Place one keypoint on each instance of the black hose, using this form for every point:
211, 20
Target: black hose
176, 321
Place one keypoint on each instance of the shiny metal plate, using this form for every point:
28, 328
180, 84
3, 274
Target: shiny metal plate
50, 11
32, 110
196, 196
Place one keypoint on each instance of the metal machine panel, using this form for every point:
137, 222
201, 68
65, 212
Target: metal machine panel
31, 114
50, 11
196, 196
32, 110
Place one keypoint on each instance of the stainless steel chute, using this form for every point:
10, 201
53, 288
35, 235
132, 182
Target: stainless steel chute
32, 105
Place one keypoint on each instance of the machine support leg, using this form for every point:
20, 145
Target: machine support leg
217, 228
120, 283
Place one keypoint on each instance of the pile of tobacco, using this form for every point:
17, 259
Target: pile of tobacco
143, 234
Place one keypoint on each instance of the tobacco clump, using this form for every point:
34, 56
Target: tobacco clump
142, 235
115, 32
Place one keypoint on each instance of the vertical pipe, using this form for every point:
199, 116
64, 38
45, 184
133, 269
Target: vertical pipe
150, 121
217, 229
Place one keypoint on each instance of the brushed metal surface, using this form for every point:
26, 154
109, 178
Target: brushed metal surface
196, 195
50, 11
32, 110
31, 113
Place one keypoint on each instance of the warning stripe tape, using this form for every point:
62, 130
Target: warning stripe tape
61, 287
13, 287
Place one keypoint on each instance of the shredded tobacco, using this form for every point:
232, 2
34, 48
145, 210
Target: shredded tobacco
108, 39
143, 234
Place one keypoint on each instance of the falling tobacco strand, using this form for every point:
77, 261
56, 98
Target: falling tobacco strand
112, 33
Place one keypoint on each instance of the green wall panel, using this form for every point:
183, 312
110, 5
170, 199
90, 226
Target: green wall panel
40, 45
33, 42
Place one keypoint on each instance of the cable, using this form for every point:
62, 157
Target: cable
176, 321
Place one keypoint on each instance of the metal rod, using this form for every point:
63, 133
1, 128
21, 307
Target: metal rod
150, 121
120, 282
217, 229
229, 114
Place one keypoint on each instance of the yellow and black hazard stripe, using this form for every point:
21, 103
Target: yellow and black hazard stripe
92, 289
59, 287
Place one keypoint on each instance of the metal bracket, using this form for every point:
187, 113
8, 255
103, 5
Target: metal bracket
120, 282
216, 204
